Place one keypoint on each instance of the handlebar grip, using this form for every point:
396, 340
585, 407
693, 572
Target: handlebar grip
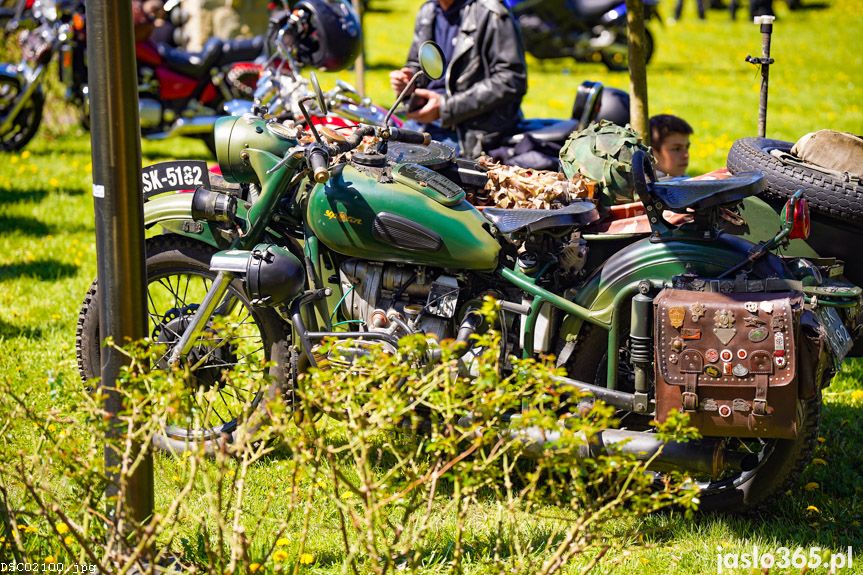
409, 136
319, 162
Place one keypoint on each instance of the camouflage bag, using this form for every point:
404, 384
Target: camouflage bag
603, 152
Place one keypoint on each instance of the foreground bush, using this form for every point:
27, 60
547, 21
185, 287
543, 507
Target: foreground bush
394, 467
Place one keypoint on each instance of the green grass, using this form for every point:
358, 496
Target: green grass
47, 253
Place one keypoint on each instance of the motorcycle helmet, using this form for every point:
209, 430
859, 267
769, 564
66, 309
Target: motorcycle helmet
328, 33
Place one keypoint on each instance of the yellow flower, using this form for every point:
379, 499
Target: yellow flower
811, 486
307, 559
821, 440
813, 509
280, 555
68, 540
254, 567
54, 182
25, 154
50, 559
818, 461
31, 529
283, 542
62, 528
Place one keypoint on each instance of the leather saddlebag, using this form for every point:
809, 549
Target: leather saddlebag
728, 360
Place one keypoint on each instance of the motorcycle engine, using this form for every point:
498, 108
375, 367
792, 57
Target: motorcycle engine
412, 298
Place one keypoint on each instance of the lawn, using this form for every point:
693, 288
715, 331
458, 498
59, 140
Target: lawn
47, 253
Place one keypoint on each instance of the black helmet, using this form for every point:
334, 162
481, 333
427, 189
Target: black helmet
329, 34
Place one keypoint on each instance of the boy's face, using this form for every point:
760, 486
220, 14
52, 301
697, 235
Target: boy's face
673, 156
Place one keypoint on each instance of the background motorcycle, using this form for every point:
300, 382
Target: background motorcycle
587, 30
180, 93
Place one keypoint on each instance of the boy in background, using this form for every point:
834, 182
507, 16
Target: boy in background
669, 138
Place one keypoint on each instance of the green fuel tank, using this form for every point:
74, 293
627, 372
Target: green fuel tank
416, 216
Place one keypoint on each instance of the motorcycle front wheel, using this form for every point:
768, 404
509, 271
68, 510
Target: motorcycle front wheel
26, 124
237, 336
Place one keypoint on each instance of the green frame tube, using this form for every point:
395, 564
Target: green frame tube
542, 296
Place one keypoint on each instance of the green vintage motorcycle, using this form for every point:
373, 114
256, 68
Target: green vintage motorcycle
338, 243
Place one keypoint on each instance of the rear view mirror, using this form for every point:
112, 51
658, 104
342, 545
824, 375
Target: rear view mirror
431, 60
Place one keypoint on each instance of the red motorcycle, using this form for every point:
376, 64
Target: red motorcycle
180, 93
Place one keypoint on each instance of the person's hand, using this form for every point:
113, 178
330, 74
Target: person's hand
431, 110
400, 78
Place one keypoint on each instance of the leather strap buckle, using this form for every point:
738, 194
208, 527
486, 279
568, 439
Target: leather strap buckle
690, 401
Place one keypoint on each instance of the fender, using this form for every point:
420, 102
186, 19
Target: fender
174, 213
645, 260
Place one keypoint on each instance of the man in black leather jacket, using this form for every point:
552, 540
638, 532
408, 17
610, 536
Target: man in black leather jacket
486, 76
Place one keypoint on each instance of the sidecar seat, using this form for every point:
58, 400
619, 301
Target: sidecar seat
576, 214
192, 63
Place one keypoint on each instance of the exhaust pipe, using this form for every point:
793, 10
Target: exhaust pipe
703, 457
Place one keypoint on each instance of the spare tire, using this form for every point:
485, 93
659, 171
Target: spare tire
827, 195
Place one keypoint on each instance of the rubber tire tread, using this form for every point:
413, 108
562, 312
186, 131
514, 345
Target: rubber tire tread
827, 195
87, 341
774, 478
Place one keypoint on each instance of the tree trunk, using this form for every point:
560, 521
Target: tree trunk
639, 116
360, 62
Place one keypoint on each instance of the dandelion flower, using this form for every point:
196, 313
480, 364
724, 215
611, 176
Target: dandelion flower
813, 509
31, 529
818, 461
68, 540
62, 528
25, 154
283, 542
50, 559
811, 486
54, 182
254, 567
307, 559
280, 555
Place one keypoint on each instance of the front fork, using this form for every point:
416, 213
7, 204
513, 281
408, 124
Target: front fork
30, 81
202, 315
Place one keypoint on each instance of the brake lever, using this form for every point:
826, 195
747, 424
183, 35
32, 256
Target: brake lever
291, 153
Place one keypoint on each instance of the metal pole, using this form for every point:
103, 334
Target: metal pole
119, 207
360, 62
766, 23
637, 40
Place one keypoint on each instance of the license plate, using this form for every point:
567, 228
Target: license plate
174, 176
838, 337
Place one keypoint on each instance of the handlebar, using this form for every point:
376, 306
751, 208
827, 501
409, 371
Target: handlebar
318, 155
319, 161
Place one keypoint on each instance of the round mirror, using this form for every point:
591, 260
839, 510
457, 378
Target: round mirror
431, 60
319, 94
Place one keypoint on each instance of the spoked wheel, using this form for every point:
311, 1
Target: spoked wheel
238, 335
778, 463
26, 124
616, 56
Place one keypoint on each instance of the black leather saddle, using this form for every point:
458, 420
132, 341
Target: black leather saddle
580, 214
241, 50
193, 64
543, 130
702, 194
